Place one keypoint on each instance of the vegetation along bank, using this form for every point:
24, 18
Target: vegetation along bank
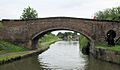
10, 52
101, 51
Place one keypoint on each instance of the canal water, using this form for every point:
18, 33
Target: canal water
62, 55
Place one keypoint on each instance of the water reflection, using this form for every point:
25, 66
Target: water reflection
62, 55
95, 64
24, 64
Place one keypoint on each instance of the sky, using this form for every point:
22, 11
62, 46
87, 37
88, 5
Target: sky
12, 9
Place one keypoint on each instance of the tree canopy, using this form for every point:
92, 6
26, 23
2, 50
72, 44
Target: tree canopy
109, 14
29, 13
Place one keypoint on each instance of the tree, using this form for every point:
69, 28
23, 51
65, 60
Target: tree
29, 13
60, 35
109, 14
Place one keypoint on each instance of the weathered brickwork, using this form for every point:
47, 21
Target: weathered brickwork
26, 33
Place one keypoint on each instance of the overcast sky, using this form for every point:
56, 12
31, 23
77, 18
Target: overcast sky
12, 9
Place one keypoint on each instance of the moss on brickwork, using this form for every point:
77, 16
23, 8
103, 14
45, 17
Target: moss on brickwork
83, 41
84, 45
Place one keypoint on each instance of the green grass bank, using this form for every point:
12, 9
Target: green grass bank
102, 51
10, 52
115, 48
6, 47
47, 40
83, 43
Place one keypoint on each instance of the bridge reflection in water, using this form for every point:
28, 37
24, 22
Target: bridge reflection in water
61, 55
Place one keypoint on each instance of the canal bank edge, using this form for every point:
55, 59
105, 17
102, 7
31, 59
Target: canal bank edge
103, 54
20, 55
106, 55
99, 53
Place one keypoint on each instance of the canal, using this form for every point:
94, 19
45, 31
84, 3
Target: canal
62, 55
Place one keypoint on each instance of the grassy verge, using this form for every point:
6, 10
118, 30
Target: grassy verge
10, 52
83, 43
9, 57
47, 40
6, 47
12, 56
105, 46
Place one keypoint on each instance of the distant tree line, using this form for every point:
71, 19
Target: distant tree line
68, 36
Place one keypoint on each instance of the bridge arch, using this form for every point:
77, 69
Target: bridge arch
25, 32
36, 36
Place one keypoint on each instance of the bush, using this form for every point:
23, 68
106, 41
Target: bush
84, 45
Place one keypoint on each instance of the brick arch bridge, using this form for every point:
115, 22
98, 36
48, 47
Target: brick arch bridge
27, 32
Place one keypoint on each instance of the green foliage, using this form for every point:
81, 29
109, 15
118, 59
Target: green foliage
75, 33
47, 39
84, 45
112, 48
9, 47
83, 41
66, 35
60, 35
109, 14
70, 33
10, 56
29, 13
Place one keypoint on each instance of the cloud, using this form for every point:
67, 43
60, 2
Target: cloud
47, 8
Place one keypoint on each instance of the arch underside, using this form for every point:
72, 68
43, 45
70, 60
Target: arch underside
39, 34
